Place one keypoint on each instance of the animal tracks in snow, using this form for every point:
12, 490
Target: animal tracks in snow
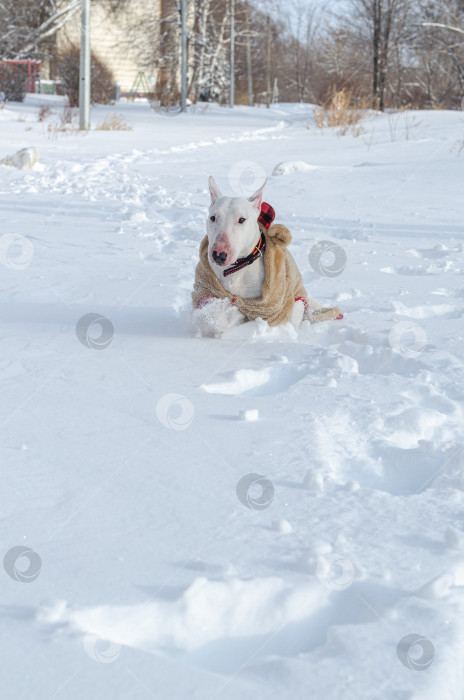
401, 446
350, 351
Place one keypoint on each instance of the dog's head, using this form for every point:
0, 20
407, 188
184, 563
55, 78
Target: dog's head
232, 225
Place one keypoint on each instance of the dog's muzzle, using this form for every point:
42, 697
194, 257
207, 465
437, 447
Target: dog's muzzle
219, 258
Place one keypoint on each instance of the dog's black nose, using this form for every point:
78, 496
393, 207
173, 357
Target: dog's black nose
219, 258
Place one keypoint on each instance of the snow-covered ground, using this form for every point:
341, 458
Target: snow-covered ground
142, 557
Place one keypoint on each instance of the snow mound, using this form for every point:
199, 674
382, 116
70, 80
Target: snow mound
25, 159
206, 612
293, 166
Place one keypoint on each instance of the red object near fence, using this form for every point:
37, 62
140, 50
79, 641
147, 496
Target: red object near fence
33, 72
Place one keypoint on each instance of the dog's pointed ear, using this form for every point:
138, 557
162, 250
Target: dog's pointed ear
257, 198
214, 190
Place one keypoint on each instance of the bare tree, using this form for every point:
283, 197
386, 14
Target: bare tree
302, 24
209, 49
27, 26
395, 52
382, 23
442, 37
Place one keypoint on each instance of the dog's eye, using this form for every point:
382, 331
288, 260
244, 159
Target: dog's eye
241, 220
213, 218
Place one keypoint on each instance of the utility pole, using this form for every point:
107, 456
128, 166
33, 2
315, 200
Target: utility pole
84, 69
183, 87
275, 92
232, 53
268, 66
249, 69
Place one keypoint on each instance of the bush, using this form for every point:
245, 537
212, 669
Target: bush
102, 80
13, 81
68, 123
342, 109
43, 113
114, 123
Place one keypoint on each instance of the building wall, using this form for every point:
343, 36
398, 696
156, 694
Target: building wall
117, 39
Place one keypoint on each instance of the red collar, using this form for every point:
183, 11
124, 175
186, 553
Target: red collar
256, 253
266, 217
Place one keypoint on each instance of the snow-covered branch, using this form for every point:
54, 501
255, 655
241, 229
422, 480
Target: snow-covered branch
443, 26
50, 26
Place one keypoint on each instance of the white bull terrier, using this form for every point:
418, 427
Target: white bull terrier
250, 262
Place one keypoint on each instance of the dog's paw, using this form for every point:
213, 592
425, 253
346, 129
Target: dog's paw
297, 314
215, 317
